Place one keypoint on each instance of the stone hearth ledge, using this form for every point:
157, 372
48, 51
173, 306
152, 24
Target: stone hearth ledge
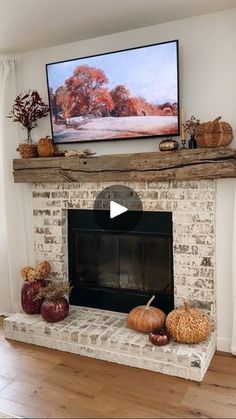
104, 335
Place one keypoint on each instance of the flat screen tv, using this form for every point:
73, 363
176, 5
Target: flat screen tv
119, 95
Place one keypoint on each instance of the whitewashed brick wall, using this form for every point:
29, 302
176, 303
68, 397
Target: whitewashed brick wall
191, 202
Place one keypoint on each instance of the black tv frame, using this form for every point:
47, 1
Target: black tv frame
119, 138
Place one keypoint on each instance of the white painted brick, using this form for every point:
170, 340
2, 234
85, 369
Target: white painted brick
193, 208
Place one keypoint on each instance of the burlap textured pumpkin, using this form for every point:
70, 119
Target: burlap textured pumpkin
214, 133
188, 325
27, 151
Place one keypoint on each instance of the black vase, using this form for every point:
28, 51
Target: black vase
192, 143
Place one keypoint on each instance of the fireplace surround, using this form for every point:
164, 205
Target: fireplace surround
103, 334
192, 204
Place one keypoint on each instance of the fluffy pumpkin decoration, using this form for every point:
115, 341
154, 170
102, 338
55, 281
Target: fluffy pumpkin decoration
24, 272
214, 133
44, 269
33, 275
146, 318
40, 272
188, 325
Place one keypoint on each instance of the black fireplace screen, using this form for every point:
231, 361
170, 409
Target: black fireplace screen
115, 270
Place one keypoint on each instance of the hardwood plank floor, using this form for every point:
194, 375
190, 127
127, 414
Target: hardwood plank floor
37, 382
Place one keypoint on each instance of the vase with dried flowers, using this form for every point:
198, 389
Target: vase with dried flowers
55, 306
190, 128
34, 282
27, 109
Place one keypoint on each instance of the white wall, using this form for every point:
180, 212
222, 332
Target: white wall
224, 232
207, 89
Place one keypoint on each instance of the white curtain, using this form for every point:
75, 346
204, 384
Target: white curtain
12, 236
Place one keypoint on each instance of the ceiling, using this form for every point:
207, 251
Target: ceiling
31, 24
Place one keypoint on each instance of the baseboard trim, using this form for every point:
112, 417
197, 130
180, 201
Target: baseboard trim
223, 344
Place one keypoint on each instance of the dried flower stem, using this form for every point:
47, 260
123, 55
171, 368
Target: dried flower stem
55, 290
191, 125
27, 109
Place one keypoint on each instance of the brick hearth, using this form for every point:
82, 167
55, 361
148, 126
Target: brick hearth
103, 335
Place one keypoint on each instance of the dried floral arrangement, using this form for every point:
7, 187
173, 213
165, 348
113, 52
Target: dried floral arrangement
27, 109
40, 272
55, 290
190, 125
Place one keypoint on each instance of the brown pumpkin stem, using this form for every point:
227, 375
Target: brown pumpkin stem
150, 301
186, 304
217, 119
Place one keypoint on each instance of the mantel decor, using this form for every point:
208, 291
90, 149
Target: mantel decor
27, 109
190, 127
207, 163
215, 133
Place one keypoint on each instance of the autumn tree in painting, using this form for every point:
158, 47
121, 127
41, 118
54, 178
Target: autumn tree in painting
85, 93
124, 104
63, 102
101, 102
127, 105
53, 102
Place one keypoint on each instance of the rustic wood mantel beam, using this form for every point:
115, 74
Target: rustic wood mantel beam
205, 163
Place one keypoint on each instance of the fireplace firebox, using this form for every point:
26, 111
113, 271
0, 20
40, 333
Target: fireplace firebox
116, 270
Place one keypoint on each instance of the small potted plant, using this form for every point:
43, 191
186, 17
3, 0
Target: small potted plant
34, 281
27, 109
55, 306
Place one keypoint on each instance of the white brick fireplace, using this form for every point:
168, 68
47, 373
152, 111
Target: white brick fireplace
192, 204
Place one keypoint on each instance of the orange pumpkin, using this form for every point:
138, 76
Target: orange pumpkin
145, 318
214, 133
45, 147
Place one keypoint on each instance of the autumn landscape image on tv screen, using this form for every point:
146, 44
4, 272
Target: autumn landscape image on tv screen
126, 94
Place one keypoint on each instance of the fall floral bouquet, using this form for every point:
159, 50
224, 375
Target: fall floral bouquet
191, 125
34, 282
55, 306
27, 109
40, 272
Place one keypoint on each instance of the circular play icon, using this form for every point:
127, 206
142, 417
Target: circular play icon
117, 208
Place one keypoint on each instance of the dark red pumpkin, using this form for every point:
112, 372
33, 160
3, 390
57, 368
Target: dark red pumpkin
160, 337
55, 310
29, 292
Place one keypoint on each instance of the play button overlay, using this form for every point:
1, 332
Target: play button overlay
117, 208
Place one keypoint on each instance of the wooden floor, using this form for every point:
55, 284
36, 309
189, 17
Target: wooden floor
39, 382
